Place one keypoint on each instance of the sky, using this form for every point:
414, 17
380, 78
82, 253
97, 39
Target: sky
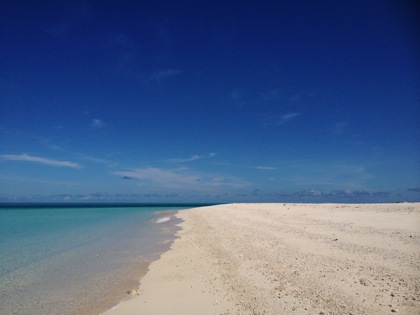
209, 101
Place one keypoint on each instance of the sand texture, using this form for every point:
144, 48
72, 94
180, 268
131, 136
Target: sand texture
287, 259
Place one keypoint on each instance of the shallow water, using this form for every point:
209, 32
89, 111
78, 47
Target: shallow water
78, 260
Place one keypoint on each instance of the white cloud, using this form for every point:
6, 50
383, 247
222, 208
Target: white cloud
266, 168
194, 157
97, 123
331, 175
313, 192
286, 118
277, 120
159, 176
40, 160
180, 178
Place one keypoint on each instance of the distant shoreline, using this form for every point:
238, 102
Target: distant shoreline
100, 204
166, 204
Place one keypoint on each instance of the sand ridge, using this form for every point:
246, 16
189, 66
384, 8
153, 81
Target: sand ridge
287, 259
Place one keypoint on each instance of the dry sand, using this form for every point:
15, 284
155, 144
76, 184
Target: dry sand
287, 259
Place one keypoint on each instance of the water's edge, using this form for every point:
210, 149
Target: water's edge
173, 225
79, 261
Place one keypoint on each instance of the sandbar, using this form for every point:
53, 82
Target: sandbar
275, 258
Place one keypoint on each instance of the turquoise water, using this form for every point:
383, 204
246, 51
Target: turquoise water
77, 260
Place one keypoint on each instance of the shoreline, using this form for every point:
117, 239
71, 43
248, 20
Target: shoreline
286, 258
78, 260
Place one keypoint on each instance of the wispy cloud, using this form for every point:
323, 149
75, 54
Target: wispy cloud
414, 189
286, 118
194, 157
180, 179
97, 123
39, 160
360, 193
159, 176
341, 194
164, 74
311, 192
266, 168
278, 120
328, 176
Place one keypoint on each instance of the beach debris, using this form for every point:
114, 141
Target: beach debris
133, 292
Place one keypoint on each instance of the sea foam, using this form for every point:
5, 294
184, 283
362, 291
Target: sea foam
164, 219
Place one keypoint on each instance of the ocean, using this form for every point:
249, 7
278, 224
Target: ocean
78, 259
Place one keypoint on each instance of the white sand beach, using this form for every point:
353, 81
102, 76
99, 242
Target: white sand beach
287, 259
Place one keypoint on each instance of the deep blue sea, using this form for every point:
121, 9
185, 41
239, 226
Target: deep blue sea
78, 259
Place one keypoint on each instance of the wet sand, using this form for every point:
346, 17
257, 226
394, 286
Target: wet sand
287, 259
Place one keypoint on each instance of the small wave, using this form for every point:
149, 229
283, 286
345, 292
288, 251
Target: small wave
164, 219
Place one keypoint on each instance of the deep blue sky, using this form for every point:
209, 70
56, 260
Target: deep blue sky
209, 101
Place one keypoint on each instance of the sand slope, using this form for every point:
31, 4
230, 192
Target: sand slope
287, 259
